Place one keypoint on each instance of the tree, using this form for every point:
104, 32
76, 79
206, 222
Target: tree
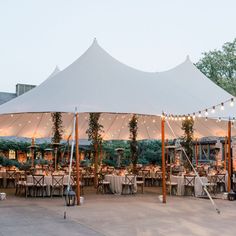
57, 128
94, 132
133, 129
187, 139
220, 66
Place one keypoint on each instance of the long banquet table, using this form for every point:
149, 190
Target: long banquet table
47, 181
180, 185
116, 183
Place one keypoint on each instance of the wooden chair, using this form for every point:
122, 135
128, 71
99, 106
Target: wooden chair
10, 178
147, 178
128, 184
212, 184
57, 184
157, 180
220, 183
140, 183
189, 184
20, 183
103, 185
39, 186
171, 187
1, 182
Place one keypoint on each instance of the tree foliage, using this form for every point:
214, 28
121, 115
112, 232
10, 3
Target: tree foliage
187, 139
57, 128
220, 66
133, 129
95, 130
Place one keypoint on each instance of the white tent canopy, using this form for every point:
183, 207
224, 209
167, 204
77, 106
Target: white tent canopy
96, 82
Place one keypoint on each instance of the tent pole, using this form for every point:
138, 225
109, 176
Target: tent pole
196, 154
229, 155
32, 152
163, 159
225, 152
77, 158
96, 165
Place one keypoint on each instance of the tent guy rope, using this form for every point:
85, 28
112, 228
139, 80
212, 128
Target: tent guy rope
196, 173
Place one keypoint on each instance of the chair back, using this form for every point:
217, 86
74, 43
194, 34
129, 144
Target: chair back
129, 179
158, 174
212, 179
189, 180
11, 174
101, 177
57, 180
220, 178
73, 179
146, 173
21, 176
38, 180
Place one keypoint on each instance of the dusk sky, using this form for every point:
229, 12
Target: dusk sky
150, 35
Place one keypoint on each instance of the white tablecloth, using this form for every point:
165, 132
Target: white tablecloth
180, 184
47, 181
116, 183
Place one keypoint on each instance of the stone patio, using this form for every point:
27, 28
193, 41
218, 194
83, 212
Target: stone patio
141, 214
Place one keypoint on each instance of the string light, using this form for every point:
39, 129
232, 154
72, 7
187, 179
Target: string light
232, 102
222, 106
205, 111
213, 109
206, 118
219, 120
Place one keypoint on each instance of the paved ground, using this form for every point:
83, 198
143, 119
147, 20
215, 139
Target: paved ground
117, 215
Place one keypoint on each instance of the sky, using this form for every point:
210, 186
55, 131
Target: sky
150, 35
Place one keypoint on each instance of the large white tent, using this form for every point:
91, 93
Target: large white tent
96, 82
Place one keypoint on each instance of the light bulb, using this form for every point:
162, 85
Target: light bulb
232, 102
199, 114
213, 109
222, 106
206, 112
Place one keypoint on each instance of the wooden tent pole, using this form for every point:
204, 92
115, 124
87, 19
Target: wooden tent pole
163, 159
229, 155
196, 153
225, 152
77, 158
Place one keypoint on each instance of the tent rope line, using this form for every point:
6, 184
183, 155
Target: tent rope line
23, 126
37, 125
196, 173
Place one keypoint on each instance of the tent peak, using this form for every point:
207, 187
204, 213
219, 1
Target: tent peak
95, 41
187, 58
55, 71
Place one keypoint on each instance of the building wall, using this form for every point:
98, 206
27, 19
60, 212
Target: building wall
20, 89
23, 88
